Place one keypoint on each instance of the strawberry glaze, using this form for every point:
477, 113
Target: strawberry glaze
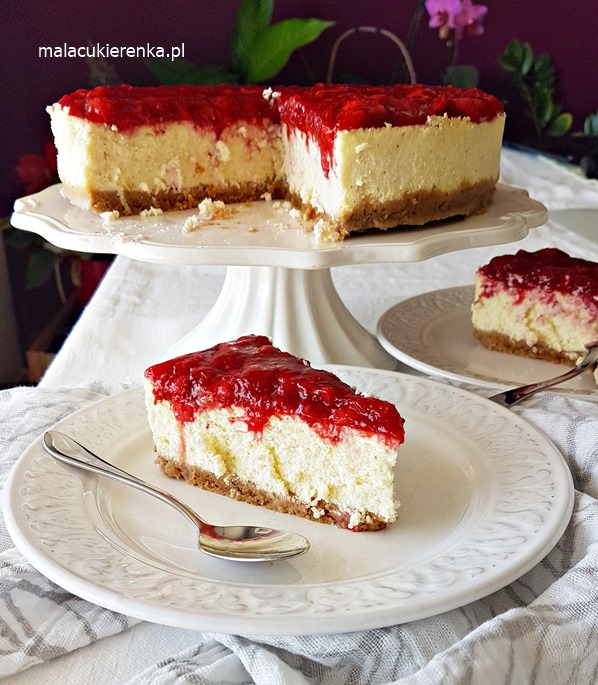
128, 107
323, 110
550, 270
264, 381
320, 111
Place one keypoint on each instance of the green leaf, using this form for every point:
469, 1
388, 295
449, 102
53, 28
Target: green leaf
543, 71
173, 72
20, 239
39, 269
462, 76
560, 125
590, 125
508, 60
272, 49
527, 59
544, 107
253, 19
517, 57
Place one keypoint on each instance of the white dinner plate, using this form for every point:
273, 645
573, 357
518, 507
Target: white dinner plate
484, 495
432, 333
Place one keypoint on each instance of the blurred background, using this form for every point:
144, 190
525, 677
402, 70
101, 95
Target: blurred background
30, 81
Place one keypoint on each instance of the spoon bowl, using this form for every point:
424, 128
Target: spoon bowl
510, 397
240, 543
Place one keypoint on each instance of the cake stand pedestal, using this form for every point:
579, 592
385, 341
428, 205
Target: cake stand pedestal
278, 281
300, 310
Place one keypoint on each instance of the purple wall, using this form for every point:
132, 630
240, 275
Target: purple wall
29, 82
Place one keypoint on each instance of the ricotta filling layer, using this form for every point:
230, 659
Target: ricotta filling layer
393, 171
101, 166
555, 328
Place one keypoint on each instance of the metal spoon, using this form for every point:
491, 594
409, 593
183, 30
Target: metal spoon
241, 543
511, 397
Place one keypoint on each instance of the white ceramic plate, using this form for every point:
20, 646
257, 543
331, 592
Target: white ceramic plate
432, 333
484, 497
266, 234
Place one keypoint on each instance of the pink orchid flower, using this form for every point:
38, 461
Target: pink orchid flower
442, 15
468, 20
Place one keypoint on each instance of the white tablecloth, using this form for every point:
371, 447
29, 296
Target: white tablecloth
542, 628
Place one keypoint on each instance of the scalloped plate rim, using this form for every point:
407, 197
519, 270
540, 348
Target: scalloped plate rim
401, 348
508, 218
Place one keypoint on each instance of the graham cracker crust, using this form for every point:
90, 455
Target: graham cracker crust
132, 202
502, 343
248, 492
413, 209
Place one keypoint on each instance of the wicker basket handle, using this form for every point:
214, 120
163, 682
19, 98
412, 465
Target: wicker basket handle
370, 29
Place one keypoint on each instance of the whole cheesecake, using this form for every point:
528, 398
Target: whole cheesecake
356, 157
247, 420
541, 304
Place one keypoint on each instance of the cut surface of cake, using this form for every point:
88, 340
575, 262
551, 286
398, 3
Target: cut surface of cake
357, 157
540, 304
247, 420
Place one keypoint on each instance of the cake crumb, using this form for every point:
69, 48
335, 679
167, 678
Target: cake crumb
211, 209
269, 94
361, 147
152, 211
266, 196
355, 520
317, 513
223, 151
208, 210
110, 216
325, 232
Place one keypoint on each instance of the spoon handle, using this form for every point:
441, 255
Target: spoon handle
69, 451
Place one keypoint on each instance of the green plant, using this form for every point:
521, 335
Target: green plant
44, 259
590, 125
534, 78
260, 49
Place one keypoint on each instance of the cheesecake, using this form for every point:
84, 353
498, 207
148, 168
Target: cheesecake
352, 158
247, 420
541, 304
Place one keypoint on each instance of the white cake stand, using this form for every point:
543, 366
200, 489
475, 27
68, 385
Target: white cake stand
278, 280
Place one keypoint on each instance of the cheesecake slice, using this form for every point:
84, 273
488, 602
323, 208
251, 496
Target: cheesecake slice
540, 304
249, 421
